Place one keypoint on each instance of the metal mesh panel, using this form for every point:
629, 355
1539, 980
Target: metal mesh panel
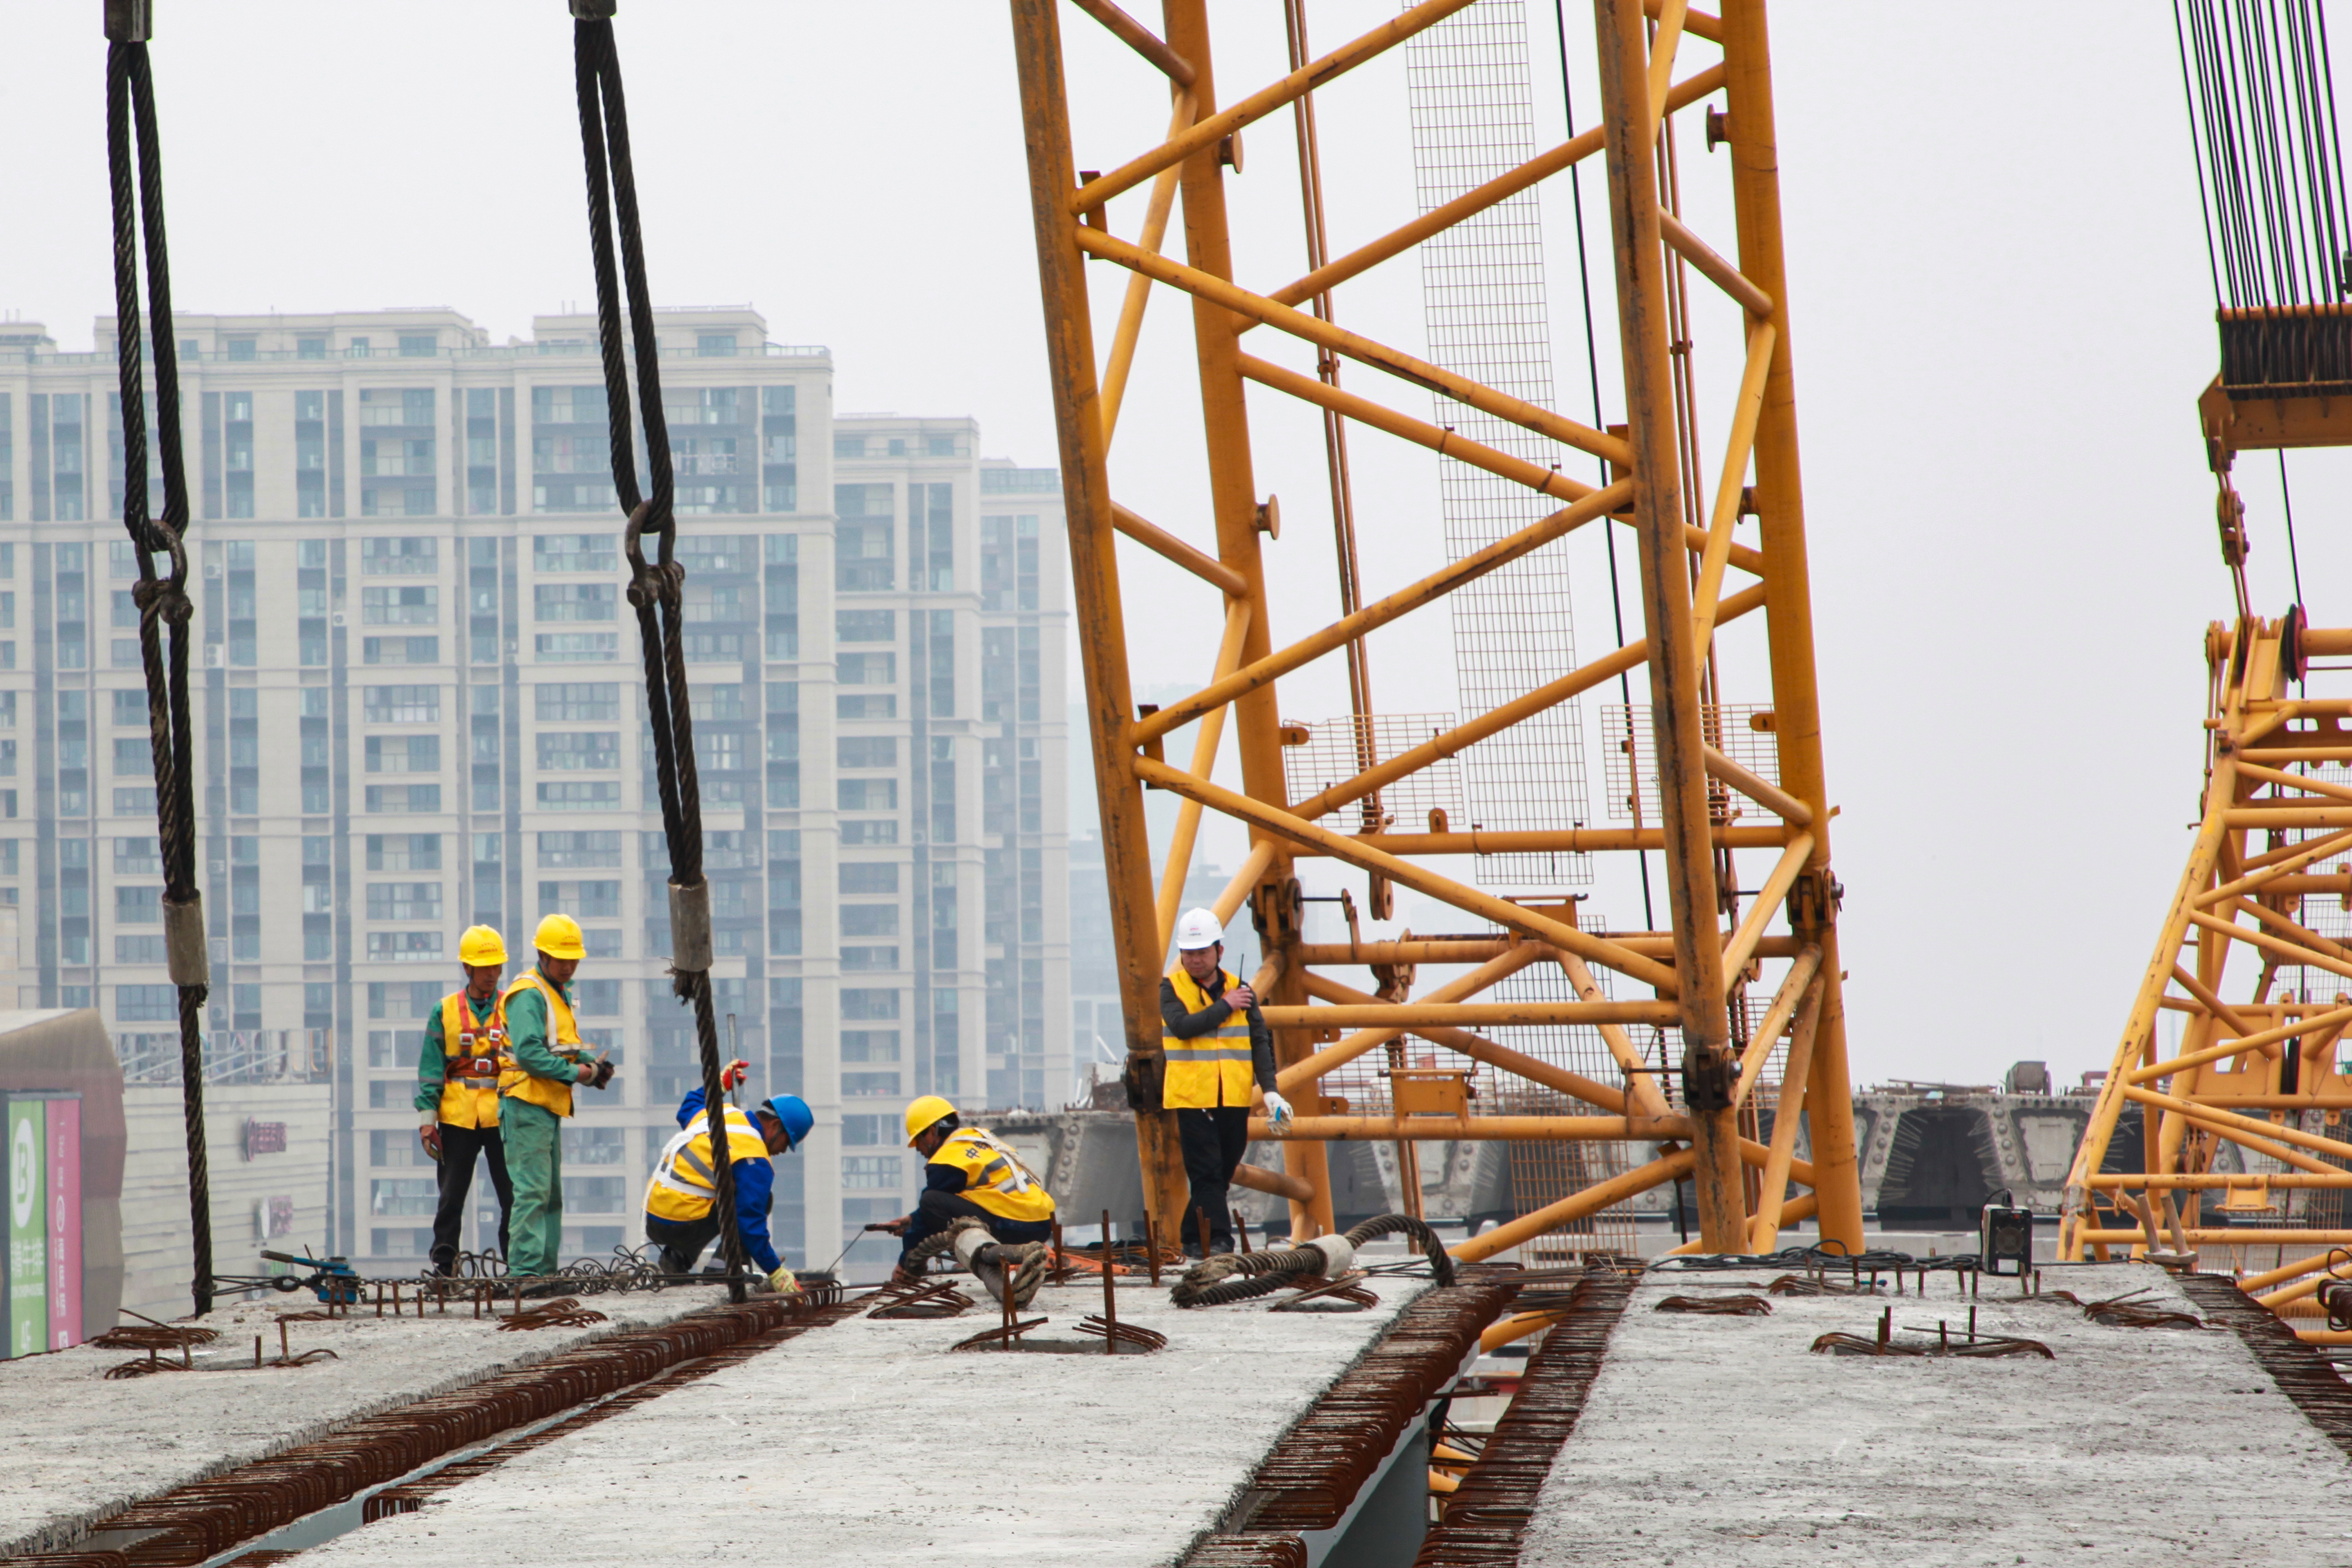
1337, 750
1629, 759
1483, 294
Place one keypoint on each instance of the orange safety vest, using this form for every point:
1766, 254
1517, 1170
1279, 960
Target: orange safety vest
1209, 1069
476, 1055
564, 1040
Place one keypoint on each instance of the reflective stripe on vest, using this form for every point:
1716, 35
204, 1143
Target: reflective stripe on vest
563, 1039
683, 1187
1214, 1069
471, 1100
994, 1175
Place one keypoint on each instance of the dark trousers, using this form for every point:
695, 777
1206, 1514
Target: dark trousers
460, 1147
1212, 1139
682, 1240
935, 1211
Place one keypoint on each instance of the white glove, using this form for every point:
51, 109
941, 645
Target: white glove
1277, 1109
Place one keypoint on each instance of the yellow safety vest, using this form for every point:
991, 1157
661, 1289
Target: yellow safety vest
683, 1186
1213, 1069
544, 1092
994, 1177
478, 1056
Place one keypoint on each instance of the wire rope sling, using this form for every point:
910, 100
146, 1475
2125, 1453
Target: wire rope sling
162, 601
656, 588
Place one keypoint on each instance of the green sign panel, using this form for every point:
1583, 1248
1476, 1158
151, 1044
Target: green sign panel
28, 1230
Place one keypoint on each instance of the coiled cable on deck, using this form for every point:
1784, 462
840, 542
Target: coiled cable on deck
1231, 1276
137, 188
657, 589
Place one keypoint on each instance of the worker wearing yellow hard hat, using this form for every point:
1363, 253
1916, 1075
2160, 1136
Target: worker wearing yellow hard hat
547, 1061
458, 1090
970, 1174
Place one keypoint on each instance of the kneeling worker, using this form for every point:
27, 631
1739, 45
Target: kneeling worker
457, 1091
1217, 1046
969, 1176
682, 1201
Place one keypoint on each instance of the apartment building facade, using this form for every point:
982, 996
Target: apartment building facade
421, 705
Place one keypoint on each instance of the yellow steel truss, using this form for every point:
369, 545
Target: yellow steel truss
1696, 575
2243, 1147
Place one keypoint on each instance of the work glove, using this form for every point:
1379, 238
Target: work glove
1277, 1109
782, 1282
733, 1074
428, 1132
596, 1074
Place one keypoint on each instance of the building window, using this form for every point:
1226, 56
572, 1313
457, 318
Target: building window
399, 607
403, 900
576, 647
864, 538
404, 946
575, 552
584, 796
872, 1171
146, 1004
579, 751
401, 704
417, 345
402, 753
397, 799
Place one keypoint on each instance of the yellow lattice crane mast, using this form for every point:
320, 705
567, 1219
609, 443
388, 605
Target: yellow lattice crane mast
2220, 1128
1685, 516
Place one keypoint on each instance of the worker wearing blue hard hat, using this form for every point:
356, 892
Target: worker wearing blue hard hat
681, 1201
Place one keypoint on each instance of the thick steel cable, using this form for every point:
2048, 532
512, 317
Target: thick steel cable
131, 94
656, 591
2259, 92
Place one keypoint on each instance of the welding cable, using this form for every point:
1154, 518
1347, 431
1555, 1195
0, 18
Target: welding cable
1232, 1277
656, 590
161, 601
1441, 1262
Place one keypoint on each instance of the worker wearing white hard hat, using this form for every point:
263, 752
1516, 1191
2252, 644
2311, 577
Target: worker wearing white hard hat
1217, 1046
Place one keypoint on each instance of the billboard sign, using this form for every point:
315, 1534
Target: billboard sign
28, 1227
65, 1222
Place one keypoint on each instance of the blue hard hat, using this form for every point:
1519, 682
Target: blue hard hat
794, 1113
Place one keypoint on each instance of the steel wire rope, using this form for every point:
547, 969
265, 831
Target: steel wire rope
2310, 158
162, 600
2197, 153
1592, 374
656, 591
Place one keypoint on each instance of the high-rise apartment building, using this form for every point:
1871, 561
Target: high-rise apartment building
421, 704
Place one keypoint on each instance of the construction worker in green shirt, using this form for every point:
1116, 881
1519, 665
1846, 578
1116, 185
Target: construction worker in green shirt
535, 1093
457, 1091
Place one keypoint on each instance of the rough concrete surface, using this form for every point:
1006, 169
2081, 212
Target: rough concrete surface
870, 1443
76, 1446
1714, 1441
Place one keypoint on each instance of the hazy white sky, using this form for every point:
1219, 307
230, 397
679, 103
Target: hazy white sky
2002, 319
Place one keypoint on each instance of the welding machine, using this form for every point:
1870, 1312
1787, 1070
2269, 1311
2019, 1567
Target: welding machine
2005, 1238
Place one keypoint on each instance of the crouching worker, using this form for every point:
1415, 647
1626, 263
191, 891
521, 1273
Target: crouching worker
976, 1190
682, 1201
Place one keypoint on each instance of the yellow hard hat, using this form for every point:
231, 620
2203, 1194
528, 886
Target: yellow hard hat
559, 937
480, 946
922, 1112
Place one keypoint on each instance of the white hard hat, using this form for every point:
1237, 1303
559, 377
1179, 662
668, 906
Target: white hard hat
1199, 929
